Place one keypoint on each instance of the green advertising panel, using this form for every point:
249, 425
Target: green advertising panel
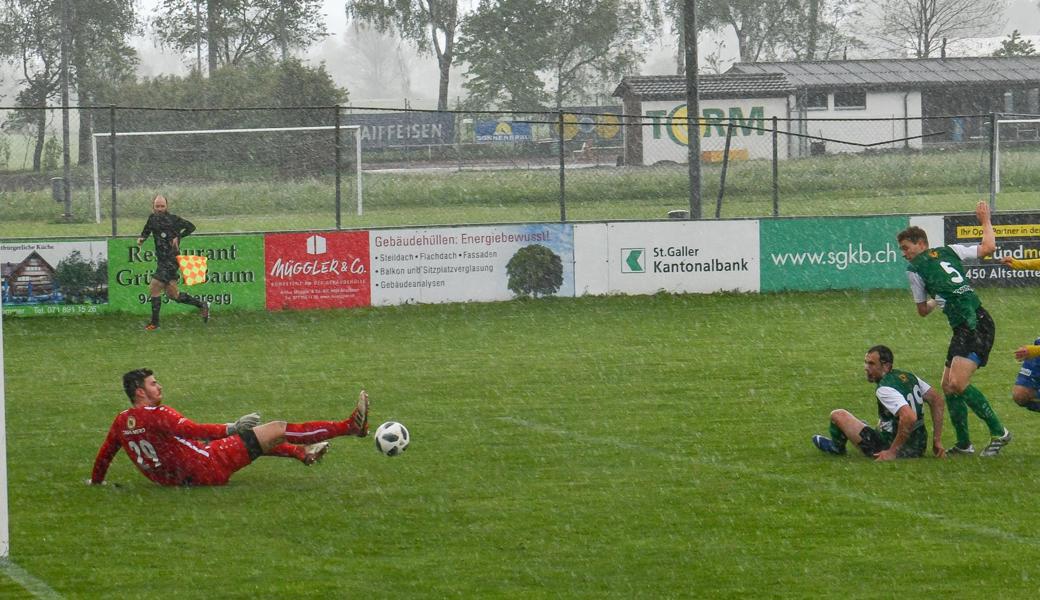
826, 254
234, 279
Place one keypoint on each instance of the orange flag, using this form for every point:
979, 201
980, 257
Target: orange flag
193, 269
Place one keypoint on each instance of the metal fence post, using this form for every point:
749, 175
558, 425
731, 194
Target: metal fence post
725, 167
994, 160
776, 169
563, 202
338, 154
460, 122
112, 160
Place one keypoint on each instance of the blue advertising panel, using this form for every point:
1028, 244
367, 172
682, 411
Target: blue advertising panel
502, 131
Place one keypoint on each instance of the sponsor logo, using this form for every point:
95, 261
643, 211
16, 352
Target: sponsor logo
316, 245
633, 260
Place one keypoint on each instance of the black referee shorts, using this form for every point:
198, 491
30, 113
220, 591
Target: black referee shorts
167, 271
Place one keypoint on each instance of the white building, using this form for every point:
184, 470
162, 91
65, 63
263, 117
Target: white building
830, 106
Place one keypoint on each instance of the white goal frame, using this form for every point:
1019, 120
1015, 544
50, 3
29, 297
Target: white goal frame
994, 186
5, 537
97, 181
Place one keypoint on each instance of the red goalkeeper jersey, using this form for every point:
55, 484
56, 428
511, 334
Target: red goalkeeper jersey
165, 446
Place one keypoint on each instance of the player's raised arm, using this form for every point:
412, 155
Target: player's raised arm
989, 239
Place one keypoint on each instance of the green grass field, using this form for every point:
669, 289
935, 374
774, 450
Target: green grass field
613, 447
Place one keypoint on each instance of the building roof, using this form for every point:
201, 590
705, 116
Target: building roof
727, 85
901, 72
776, 79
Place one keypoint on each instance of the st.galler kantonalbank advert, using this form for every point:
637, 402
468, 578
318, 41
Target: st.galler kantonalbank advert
461, 264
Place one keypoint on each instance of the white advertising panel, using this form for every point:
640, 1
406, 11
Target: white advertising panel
462, 264
684, 256
590, 259
665, 138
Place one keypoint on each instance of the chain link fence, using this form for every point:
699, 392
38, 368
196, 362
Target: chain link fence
267, 169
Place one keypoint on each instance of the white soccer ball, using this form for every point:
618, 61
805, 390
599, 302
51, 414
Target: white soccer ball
392, 438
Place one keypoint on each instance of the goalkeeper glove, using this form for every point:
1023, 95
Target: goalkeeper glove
244, 423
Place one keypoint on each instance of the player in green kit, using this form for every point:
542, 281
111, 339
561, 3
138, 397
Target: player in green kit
901, 432
937, 280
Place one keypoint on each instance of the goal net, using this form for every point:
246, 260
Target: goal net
282, 177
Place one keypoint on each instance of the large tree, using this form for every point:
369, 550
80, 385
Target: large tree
32, 31
755, 23
815, 30
235, 31
429, 24
1014, 45
380, 65
524, 55
775, 29
99, 55
920, 28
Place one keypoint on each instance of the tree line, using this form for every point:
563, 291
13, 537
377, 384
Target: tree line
517, 55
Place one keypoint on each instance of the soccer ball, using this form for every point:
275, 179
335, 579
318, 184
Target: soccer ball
392, 438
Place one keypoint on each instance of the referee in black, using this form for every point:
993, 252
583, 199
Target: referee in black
167, 229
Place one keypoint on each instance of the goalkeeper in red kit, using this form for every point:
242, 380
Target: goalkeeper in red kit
171, 449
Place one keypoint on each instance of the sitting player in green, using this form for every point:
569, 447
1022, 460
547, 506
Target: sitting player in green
901, 432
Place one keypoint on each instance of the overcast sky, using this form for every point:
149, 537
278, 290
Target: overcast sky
1023, 15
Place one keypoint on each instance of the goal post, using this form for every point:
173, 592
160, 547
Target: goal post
1033, 124
356, 129
5, 538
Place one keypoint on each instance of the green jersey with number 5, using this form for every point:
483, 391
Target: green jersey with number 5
910, 390
942, 272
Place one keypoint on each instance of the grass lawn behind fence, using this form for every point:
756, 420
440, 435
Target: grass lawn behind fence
940, 182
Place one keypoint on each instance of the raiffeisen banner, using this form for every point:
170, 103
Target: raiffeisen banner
461, 264
384, 130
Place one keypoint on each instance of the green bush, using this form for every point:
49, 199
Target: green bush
535, 271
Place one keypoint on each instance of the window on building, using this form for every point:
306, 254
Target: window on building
815, 101
850, 99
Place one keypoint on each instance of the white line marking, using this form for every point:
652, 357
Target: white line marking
34, 586
834, 490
